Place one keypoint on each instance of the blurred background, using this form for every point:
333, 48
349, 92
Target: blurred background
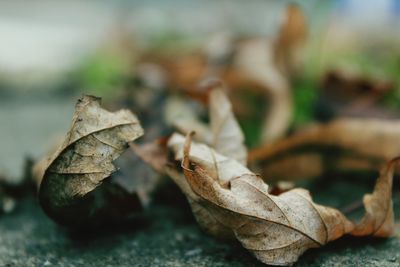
53, 52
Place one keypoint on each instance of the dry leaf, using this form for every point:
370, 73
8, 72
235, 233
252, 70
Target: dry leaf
156, 155
255, 62
205, 219
343, 144
275, 229
291, 37
228, 138
224, 133
379, 217
70, 191
183, 114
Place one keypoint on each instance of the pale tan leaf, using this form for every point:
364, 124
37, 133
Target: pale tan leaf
182, 116
228, 138
84, 161
224, 133
156, 155
369, 137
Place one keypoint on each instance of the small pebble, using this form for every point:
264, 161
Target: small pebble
8, 204
179, 237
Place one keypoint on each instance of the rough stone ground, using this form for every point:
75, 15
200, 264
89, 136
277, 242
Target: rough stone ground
167, 235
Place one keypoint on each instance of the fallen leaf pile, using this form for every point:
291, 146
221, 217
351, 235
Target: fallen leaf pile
231, 202
263, 65
97, 175
228, 200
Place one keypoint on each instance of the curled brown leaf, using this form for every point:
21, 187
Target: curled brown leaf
70, 190
275, 229
379, 217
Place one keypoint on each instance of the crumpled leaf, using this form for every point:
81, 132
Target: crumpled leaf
205, 219
70, 190
343, 144
275, 229
157, 155
379, 217
223, 134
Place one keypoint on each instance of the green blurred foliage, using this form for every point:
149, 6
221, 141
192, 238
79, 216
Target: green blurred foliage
103, 74
251, 124
304, 97
171, 41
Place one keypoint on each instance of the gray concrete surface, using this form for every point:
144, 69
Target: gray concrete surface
166, 234
29, 125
